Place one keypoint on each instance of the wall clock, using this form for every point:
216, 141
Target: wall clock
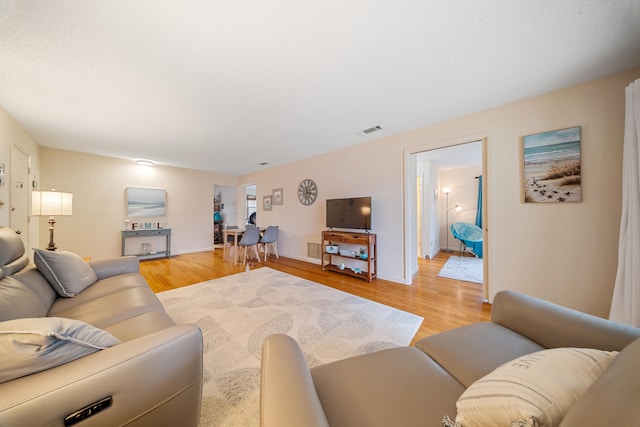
307, 192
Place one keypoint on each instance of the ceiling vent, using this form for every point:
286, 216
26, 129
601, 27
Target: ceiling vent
371, 130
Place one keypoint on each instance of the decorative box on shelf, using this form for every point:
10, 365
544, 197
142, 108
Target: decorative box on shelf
333, 249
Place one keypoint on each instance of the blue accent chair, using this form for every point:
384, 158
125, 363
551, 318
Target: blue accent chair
470, 236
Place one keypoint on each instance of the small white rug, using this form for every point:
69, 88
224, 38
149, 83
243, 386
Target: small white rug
463, 268
237, 312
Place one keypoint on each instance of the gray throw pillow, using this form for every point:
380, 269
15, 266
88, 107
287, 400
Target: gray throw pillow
67, 273
33, 345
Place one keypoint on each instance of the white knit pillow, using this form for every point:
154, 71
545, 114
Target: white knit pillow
532, 390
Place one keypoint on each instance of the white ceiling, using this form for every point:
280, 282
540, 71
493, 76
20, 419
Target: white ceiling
225, 85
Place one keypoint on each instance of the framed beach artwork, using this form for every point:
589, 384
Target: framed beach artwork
551, 171
145, 202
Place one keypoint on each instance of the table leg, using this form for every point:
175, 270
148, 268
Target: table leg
235, 248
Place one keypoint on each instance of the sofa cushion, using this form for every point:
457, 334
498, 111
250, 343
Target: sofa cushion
19, 301
67, 273
536, 389
110, 309
12, 254
395, 387
613, 399
471, 352
34, 280
34, 344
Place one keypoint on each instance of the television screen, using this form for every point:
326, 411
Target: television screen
349, 213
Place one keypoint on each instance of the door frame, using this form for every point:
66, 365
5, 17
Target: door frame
409, 198
14, 174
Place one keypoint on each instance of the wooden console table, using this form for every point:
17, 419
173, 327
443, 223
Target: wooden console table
166, 232
355, 240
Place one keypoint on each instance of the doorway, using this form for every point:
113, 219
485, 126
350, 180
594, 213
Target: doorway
225, 211
431, 211
19, 194
251, 204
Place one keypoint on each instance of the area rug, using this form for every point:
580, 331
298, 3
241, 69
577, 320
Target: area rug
463, 268
237, 312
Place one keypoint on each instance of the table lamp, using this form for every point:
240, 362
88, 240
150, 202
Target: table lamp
52, 203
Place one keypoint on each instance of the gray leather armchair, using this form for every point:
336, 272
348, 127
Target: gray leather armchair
153, 377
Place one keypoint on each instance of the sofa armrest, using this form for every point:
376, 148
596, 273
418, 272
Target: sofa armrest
287, 394
152, 380
115, 266
552, 325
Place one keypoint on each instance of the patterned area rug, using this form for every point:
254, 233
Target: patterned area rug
237, 312
463, 268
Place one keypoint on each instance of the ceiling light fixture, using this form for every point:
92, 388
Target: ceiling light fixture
145, 163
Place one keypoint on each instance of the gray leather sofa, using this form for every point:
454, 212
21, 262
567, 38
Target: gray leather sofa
420, 385
151, 376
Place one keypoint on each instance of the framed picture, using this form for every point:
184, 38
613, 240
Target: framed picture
278, 198
145, 202
551, 170
266, 203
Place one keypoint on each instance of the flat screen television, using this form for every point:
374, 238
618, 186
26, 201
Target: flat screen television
354, 213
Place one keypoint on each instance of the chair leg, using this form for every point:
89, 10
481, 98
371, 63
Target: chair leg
267, 249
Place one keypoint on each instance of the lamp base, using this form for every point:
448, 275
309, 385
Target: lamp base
51, 246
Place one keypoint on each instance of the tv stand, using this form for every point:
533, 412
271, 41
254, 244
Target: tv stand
351, 243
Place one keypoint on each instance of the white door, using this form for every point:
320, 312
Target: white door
19, 194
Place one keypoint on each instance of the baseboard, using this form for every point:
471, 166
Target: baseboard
304, 259
192, 251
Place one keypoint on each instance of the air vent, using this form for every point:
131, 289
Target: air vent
313, 250
371, 130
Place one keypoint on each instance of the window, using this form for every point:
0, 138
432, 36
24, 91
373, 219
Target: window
252, 205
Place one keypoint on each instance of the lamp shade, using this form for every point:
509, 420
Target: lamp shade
51, 203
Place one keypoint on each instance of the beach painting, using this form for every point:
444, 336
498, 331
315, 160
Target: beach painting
552, 166
145, 202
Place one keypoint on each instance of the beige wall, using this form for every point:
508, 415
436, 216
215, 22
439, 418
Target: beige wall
99, 209
371, 169
12, 134
565, 253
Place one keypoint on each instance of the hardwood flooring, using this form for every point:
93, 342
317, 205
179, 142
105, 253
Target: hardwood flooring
444, 303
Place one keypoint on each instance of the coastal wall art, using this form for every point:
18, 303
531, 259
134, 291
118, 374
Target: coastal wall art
278, 198
267, 202
551, 172
145, 202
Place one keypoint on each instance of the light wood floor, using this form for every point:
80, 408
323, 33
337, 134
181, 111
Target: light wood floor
444, 303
